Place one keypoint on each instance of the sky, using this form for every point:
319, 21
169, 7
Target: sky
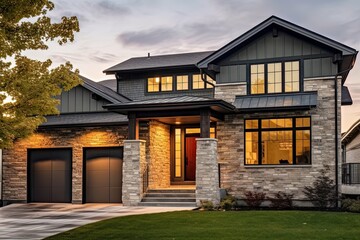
112, 31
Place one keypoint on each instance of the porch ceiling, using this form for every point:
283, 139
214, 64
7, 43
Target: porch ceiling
179, 120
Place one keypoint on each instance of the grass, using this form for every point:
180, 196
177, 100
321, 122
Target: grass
224, 225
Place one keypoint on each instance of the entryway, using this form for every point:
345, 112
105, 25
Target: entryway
103, 175
49, 175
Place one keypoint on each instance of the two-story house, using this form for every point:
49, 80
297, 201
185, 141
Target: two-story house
262, 113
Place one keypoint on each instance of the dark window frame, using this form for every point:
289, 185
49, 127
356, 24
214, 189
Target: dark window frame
282, 61
293, 129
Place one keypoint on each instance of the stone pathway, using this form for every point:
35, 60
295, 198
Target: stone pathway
40, 220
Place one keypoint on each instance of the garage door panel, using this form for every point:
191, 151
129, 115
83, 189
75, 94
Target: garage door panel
50, 175
97, 178
103, 174
115, 194
97, 195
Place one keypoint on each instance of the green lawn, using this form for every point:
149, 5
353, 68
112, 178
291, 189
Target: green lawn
224, 225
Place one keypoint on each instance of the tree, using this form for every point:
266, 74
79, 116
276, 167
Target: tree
28, 88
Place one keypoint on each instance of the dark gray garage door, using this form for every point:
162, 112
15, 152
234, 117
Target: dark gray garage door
103, 175
49, 175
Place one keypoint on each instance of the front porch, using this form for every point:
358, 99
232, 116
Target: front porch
171, 150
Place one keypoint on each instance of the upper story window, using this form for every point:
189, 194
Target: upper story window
275, 77
178, 83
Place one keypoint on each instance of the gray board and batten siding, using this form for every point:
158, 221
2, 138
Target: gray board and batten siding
79, 99
317, 61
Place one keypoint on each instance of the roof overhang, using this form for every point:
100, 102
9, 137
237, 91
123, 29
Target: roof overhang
276, 102
351, 133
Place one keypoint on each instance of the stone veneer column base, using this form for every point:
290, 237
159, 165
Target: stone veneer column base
207, 171
134, 164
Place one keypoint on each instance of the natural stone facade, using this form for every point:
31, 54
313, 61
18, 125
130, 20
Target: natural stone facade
238, 178
207, 172
15, 159
133, 169
228, 92
159, 155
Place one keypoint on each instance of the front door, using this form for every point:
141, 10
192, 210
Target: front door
190, 158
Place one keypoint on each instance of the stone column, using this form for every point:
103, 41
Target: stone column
133, 167
207, 172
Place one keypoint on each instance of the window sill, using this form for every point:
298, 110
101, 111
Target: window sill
278, 166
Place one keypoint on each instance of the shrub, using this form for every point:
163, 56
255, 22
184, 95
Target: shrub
228, 203
254, 199
323, 191
282, 200
351, 205
207, 205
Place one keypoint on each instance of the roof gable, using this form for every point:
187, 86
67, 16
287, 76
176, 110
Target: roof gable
275, 21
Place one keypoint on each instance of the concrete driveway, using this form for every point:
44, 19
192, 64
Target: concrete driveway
40, 220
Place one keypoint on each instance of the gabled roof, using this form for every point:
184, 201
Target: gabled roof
103, 91
273, 20
110, 83
160, 61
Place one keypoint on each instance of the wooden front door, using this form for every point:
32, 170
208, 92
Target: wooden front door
190, 158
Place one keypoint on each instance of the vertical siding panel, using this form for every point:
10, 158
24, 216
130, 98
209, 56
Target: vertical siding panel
279, 45
242, 69
315, 50
316, 67
307, 68
64, 102
251, 51
260, 45
86, 101
306, 48
78, 99
243, 54
289, 45
233, 74
269, 46
72, 100
297, 47
325, 66
92, 103
334, 68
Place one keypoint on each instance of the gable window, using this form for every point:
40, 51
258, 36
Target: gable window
277, 141
182, 82
275, 77
160, 84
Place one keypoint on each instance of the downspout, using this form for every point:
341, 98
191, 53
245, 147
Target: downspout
337, 127
203, 77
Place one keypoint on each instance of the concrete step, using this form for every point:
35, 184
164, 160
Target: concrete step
171, 191
171, 195
168, 199
168, 204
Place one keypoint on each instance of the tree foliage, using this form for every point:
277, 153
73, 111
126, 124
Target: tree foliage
28, 88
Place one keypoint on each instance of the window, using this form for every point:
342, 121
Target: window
160, 84
277, 141
275, 77
197, 82
182, 82
209, 79
178, 152
154, 84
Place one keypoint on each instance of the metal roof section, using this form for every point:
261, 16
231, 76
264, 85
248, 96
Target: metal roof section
84, 119
173, 103
159, 61
103, 91
346, 50
276, 102
345, 96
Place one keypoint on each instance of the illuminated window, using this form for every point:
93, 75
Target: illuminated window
210, 80
197, 130
153, 84
182, 82
257, 79
275, 77
178, 152
166, 84
279, 140
197, 82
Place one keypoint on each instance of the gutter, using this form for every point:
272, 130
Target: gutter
203, 77
337, 127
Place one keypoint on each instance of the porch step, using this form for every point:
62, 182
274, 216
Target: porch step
169, 197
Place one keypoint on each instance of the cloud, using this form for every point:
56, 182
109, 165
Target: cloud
109, 7
147, 38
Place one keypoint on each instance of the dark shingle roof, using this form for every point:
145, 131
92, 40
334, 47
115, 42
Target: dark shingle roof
110, 83
160, 61
86, 119
103, 91
288, 101
345, 96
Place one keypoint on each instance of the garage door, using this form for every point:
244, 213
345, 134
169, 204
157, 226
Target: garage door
103, 175
49, 175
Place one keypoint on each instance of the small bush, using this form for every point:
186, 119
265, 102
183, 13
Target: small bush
351, 205
282, 200
207, 205
323, 191
228, 203
254, 199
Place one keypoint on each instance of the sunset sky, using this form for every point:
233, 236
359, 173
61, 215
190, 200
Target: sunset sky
112, 31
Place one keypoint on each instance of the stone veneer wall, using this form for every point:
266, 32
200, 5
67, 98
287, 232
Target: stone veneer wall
159, 155
207, 171
134, 166
15, 159
238, 178
228, 92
